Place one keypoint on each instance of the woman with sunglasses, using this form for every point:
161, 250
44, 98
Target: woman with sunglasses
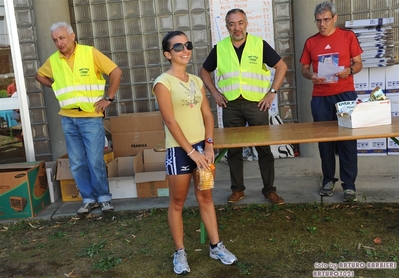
189, 128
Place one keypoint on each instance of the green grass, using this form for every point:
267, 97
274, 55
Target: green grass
269, 241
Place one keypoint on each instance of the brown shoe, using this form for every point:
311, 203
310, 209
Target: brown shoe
235, 196
274, 198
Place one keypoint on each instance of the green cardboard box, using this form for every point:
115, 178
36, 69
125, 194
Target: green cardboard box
23, 189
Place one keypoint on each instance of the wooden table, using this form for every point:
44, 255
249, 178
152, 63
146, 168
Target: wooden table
234, 137
297, 133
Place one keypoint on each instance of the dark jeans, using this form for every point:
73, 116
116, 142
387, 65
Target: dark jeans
323, 109
237, 113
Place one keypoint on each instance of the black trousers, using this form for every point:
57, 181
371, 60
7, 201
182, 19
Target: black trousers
323, 109
240, 112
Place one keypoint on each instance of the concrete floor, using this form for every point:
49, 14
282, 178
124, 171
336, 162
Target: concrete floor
293, 189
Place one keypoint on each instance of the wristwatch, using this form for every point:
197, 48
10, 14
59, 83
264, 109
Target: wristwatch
351, 71
273, 91
209, 140
109, 99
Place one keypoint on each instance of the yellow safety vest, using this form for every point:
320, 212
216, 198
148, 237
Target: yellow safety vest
250, 78
80, 88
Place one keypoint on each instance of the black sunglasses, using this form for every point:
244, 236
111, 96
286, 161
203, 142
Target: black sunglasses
177, 47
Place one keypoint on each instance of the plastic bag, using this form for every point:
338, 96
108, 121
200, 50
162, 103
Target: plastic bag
205, 178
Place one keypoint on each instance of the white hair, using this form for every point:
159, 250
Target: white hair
62, 24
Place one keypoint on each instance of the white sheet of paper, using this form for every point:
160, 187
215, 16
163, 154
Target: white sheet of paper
327, 71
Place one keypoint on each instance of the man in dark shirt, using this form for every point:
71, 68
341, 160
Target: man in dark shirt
245, 93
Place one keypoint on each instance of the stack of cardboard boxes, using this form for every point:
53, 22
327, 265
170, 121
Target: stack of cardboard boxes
376, 39
69, 190
134, 169
392, 92
388, 81
137, 170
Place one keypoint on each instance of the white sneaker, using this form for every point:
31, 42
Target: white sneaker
87, 207
327, 189
221, 253
350, 195
106, 206
180, 262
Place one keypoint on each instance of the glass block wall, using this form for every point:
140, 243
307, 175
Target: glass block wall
30, 61
284, 45
365, 9
130, 33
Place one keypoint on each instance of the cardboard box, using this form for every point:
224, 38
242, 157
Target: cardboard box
150, 174
372, 147
377, 78
373, 30
393, 148
64, 169
53, 184
366, 114
108, 155
142, 175
121, 178
369, 22
361, 80
23, 189
69, 190
394, 98
392, 78
134, 132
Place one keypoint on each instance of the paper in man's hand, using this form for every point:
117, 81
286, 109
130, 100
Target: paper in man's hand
328, 71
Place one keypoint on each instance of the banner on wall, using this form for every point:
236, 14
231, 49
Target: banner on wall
259, 14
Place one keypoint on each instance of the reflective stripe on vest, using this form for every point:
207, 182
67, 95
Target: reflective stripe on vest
80, 88
250, 78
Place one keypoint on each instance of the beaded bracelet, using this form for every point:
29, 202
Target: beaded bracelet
190, 153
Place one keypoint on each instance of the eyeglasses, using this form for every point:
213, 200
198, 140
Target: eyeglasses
324, 20
240, 24
178, 47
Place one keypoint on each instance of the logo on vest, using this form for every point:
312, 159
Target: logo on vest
253, 59
84, 71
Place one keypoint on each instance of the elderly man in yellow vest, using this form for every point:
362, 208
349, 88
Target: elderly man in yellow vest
246, 93
75, 73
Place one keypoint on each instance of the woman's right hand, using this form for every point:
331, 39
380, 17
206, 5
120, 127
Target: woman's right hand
200, 160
